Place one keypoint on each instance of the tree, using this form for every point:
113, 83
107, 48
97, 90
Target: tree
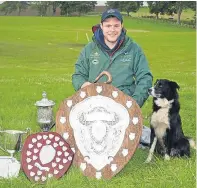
179, 6
127, 6
130, 6
67, 7
113, 4
192, 5
184, 5
157, 7
10, 6
85, 6
54, 5
41, 6
21, 5
7, 7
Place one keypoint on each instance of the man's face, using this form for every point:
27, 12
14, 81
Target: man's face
112, 28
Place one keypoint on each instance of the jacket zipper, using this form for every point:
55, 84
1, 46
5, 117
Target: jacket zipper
110, 56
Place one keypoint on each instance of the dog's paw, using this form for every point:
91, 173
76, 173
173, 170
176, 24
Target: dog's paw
148, 160
166, 157
174, 152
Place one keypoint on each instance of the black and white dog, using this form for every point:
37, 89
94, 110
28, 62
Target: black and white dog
167, 136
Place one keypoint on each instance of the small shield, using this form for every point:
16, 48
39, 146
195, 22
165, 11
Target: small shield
101, 129
45, 155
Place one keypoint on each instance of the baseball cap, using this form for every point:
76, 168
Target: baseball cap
111, 13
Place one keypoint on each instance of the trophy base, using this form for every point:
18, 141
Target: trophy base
45, 127
9, 167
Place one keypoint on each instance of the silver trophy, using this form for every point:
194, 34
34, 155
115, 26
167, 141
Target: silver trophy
45, 117
11, 141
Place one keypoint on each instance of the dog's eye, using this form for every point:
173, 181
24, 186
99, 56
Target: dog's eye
159, 85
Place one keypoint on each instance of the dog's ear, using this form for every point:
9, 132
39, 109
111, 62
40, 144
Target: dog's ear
174, 85
156, 81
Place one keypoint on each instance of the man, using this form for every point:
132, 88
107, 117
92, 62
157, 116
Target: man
113, 51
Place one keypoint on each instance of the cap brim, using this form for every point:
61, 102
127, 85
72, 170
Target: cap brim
111, 15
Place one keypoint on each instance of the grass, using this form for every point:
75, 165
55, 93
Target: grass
38, 54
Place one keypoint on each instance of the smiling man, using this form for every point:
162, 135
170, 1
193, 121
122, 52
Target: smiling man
112, 28
113, 51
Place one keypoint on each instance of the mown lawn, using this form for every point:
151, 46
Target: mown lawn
38, 54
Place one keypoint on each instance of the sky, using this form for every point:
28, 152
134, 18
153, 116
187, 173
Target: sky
101, 2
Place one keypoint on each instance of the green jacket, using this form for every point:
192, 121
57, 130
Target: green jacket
128, 67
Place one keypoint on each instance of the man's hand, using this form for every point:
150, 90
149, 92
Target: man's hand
86, 84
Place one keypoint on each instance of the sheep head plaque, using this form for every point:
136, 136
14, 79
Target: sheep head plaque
103, 127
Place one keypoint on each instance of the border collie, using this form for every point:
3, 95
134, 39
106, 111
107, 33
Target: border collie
167, 136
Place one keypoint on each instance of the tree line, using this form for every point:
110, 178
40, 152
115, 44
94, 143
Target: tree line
83, 7
66, 7
155, 7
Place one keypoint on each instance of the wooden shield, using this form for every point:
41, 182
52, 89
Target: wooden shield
45, 155
103, 126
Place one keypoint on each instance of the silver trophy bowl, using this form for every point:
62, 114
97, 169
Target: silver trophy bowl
11, 141
45, 117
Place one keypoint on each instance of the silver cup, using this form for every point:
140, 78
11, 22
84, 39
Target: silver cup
45, 117
11, 141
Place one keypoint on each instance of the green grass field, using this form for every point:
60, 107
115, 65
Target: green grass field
38, 54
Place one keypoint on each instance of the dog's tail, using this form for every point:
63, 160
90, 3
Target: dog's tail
192, 143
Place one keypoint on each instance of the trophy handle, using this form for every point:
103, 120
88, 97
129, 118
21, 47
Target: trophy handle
28, 131
0, 145
52, 125
18, 146
2, 149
